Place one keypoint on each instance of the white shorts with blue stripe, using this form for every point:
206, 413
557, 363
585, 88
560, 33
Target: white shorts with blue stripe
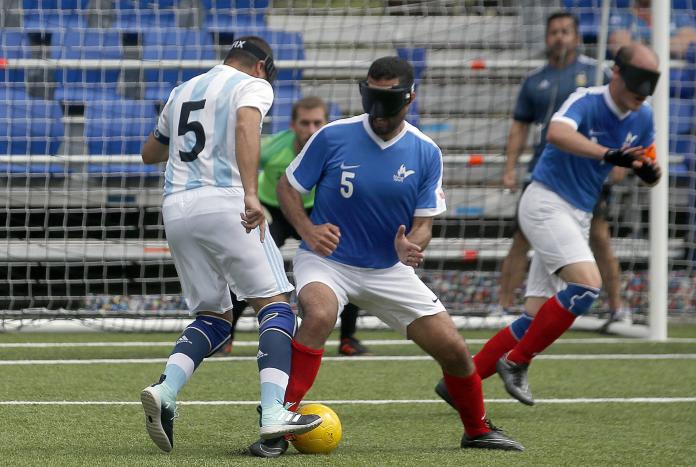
213, 253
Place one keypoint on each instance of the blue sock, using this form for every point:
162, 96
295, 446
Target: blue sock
201, 338
519, 327
577, 298
277, 325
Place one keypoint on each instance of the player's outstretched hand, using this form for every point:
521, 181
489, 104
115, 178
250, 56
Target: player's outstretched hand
323, 239
253, 215
624, 157
648, 171
409, 253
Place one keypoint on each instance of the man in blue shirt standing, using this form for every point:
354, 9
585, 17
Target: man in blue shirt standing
594, 130
378, 186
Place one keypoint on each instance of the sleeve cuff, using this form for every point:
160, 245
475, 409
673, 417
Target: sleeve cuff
160, 137
295, 184
429, 212
566, 120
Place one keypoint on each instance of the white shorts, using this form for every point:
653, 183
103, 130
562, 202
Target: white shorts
395, 295
213, 253
559, 235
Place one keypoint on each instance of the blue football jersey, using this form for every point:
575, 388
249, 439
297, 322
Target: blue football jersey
593, 113
368, 187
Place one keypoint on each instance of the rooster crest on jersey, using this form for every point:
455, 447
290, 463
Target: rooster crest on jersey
402, 173
630, 138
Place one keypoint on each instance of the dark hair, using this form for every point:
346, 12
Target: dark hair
559, 15
245, 58
310, 102
390, 68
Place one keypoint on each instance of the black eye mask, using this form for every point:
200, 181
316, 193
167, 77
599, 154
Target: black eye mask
381, 103
638, 80
269, 66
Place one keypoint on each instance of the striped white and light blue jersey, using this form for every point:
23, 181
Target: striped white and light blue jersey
198, 123
368, 187
594, 114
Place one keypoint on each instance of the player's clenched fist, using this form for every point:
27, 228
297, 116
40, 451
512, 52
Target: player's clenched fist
409, 253
323, 239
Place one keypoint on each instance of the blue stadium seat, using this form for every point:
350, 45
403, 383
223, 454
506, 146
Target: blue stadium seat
681, 116
173, 44
118, 127
29, 126
144, 15
682, 145
285, 96
415, 56
227, 15
594, 4
589, 14
53, 15
684, 5
13, 44
682, 82
334, 111
286, 45
87, 84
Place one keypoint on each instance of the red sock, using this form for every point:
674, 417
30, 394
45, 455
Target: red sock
468, 397
497, 346
550, 323
303, 372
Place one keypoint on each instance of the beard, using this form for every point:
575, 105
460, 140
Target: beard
385, 125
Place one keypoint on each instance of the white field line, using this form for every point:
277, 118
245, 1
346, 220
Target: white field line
584, 400
373, 343
110, 361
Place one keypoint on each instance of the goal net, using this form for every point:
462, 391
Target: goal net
83, 81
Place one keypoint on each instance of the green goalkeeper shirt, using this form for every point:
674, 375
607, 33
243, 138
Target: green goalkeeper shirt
277, 152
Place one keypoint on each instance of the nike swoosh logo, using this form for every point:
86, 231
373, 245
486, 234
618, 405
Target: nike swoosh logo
434, 299
346, 167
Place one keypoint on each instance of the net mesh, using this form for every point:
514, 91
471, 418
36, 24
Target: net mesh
82, 83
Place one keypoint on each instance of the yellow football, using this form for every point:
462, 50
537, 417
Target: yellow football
322, 439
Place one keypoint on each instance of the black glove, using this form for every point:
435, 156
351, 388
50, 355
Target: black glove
619, 157
647, 173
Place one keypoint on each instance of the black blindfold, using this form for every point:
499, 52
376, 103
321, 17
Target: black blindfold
638, 80
380, 102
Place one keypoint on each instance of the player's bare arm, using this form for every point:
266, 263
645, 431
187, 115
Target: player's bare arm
322, 239
410, 247
247, 148
566, 138
517, 139
154, 151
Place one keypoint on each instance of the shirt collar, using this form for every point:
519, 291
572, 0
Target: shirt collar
379, 141
612, 105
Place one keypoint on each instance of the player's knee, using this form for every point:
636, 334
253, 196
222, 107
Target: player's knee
320, 319
454, 356
215, 329
578, 298
278, 317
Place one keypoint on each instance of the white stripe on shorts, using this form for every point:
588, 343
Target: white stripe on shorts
275, 261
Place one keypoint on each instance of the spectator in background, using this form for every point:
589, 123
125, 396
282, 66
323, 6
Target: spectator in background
634, 24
